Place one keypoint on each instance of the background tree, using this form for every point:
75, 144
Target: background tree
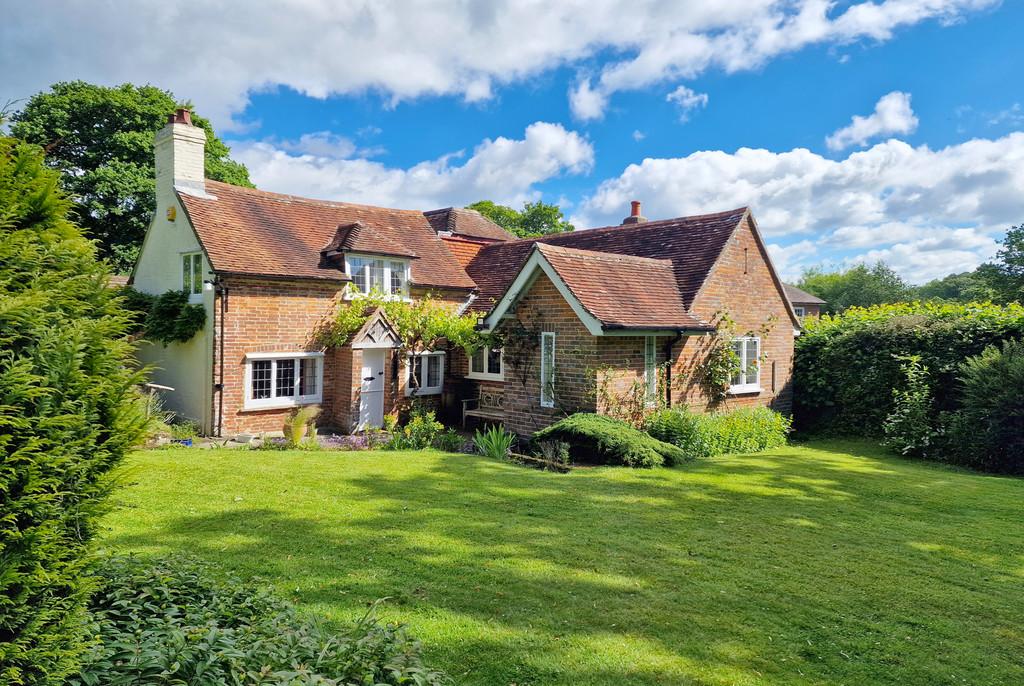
68, 413
962, 287
859, 285
1005, 275
535, 219
101, 141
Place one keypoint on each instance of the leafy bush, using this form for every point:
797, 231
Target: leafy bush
746, 430
173, 621
597, 438
847, 365
420, 432
300, 424
450, 441
908, 428
68, 413
553, 453
988, 431
494, 442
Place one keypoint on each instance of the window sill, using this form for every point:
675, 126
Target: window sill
280, 404
480, 376
349, 295
420, 392
747, 389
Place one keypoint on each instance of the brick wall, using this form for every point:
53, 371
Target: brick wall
742, 285
575, 353
267, 316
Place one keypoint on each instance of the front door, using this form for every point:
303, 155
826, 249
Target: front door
371, 396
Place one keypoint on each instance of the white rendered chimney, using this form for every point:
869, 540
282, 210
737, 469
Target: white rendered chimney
180, 156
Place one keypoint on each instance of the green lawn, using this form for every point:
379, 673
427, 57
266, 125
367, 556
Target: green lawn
830, 563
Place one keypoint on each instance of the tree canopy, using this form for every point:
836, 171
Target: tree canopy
100, 139
859, 286
535, 219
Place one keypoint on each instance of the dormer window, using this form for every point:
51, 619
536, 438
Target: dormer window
383, 275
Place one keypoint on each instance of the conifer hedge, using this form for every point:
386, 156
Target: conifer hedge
68, 414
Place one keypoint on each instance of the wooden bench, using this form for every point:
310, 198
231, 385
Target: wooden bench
488, 406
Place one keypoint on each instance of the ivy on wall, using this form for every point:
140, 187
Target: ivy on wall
165, 318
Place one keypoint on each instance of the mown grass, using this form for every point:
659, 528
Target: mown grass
827, 563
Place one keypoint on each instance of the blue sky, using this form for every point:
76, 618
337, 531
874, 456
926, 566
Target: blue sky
696, 107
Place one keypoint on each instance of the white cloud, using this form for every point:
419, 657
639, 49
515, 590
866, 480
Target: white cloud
502, 169
639, 135
219, 52
892, 115
687, 100
924, 210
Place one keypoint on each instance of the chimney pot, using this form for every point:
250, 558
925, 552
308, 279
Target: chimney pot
634, 214
181, 116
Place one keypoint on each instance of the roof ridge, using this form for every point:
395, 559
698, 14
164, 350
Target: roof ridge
600, 254
286, 197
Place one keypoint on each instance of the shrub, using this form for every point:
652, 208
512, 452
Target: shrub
597, 438
746, 430
68, 413
165, 318
494, 442
908, 428
420, 432
301, 423
988, 432
450, 441
847, 365
555, 454
173, 621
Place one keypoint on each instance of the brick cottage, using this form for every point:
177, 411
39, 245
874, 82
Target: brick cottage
596, 313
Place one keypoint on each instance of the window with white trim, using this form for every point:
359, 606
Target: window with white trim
798, 310
487, 363
651, 369
390, 277
425, 374
547, 369
192, 274
283, 379
748, 378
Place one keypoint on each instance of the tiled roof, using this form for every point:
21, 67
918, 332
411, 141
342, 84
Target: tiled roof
359, 238
248, 231
465, 222
691, 243
623, 291
796, 295
464, 249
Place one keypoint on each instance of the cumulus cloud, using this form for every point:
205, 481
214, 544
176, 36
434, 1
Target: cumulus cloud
505, 170
687, 100
892, 115
926, 211
216, 53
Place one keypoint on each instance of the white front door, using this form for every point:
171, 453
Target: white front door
371, 396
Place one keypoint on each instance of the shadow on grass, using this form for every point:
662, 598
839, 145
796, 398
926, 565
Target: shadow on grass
750, 569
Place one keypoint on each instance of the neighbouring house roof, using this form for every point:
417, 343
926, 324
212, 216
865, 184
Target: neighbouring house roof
798, 296
466, 222
360, 238
622, 291
248, 231
690, 244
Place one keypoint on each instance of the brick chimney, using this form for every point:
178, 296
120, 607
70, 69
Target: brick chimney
634, 214
179, 156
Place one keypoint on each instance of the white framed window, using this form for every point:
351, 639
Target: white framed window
487, 364
748, 378
283, 379
547, 369
425, 375
192, 275
390, 277
798, 310
651, 369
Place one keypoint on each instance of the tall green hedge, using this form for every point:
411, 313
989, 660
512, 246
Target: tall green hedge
68, 413
848, 365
